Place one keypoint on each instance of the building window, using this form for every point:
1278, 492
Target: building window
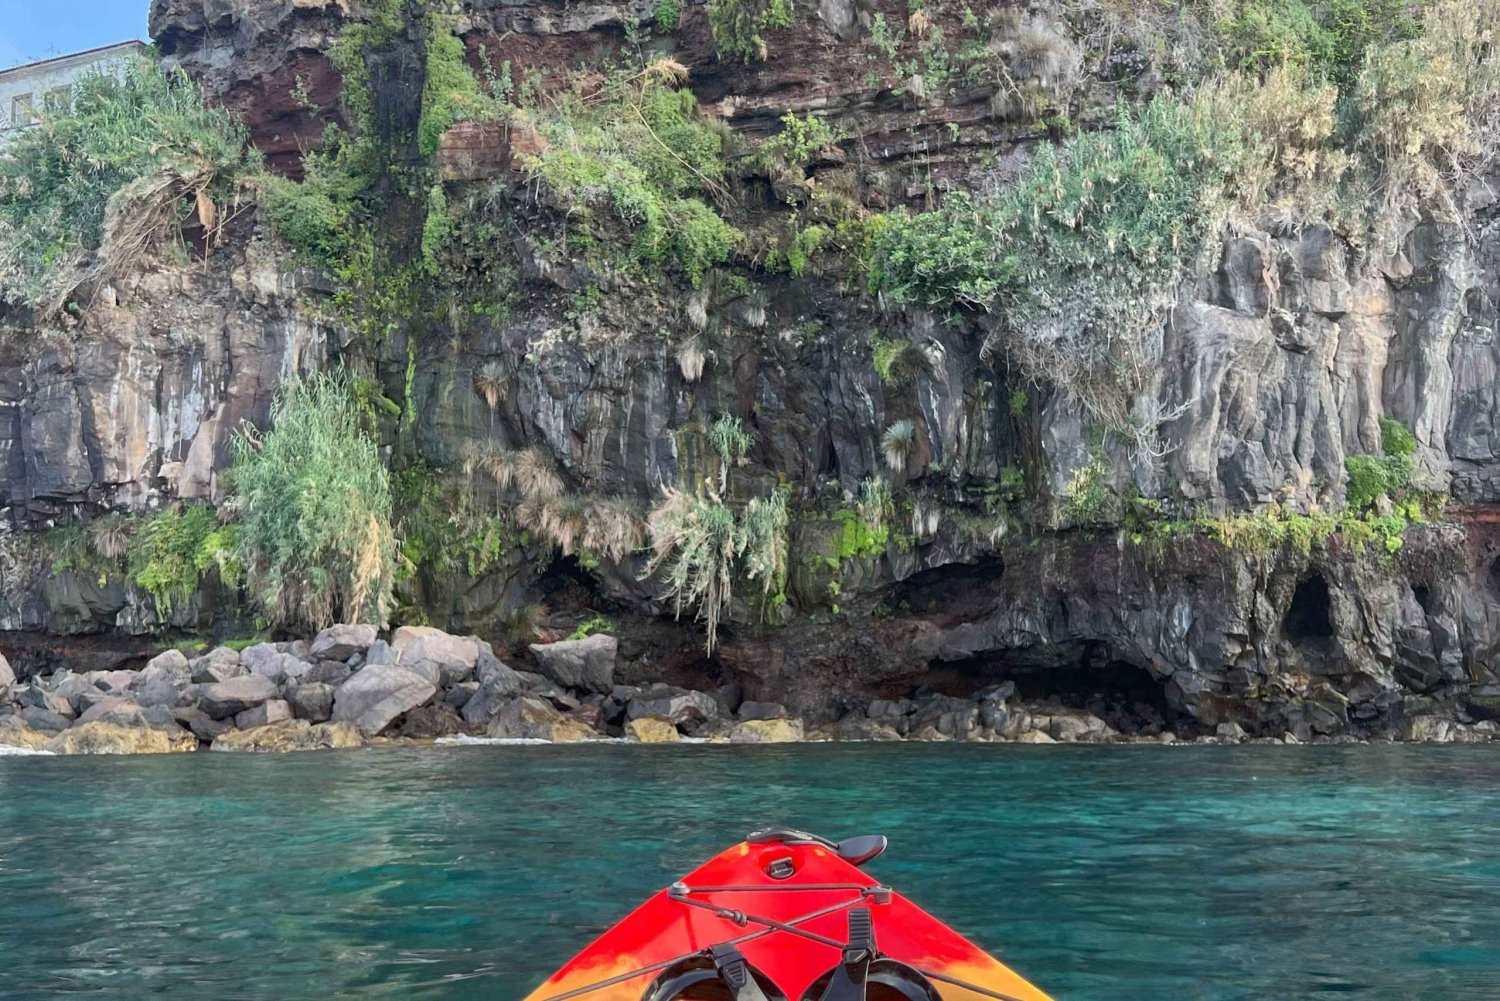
22, 111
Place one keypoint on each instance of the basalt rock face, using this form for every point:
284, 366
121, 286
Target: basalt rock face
1279, 360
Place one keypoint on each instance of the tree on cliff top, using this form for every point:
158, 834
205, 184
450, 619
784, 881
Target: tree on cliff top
113, 168
315, 508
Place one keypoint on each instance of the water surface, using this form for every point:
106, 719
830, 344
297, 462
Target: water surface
1104, 874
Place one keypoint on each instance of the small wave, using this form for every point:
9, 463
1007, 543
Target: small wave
463, 740
6, 749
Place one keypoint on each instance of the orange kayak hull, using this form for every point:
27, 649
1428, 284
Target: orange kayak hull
735, 893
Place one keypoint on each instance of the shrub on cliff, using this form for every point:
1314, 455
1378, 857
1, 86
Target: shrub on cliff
115, 166
638, 149
702, 546
315, 507
1082, 254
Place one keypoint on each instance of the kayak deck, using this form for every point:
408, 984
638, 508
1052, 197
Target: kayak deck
784, 906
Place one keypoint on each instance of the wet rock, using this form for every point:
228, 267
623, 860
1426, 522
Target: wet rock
767, 731
295, 735
224, 699
587, 664
762, 710
425, 722
15, 733
311, 701
652, 730
341, 642
267, 713
377, 694
110, 738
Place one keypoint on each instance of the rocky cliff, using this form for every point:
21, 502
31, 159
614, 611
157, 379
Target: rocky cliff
1022, 543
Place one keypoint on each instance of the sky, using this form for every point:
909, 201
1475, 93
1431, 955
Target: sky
36, 29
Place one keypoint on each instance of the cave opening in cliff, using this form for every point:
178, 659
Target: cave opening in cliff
1495, 576
1309, 617
949, 590
1121, 692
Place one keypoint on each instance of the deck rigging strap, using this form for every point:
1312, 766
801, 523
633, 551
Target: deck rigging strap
579, 992
680, 891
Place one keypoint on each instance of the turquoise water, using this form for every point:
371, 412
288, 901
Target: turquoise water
1104, 874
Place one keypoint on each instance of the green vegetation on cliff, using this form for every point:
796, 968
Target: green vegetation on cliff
314, 504
114, 169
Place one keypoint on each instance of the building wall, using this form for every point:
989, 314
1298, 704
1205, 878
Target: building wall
25, 87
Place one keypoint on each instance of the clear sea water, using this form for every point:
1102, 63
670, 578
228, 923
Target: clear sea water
1104, 874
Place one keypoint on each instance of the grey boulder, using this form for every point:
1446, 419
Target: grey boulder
587, 664
268, 712
341, 642
224, 699
377, 694
312, 701
454, 655
677, 707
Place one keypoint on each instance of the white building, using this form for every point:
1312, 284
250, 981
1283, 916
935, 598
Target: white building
24, 89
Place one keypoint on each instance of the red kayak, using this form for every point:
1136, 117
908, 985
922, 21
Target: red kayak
784, 916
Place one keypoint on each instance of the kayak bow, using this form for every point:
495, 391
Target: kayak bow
784, 916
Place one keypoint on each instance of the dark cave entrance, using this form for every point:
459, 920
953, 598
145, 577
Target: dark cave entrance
567, 586
1309, 617
949, 589
1495, 577
1121, 692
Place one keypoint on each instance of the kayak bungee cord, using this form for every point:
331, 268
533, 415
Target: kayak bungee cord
680, 892
741, 940
890, 948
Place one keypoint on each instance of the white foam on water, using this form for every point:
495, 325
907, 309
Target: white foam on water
464, 740
6, 749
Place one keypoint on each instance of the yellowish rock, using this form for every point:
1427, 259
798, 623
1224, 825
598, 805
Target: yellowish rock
15, 733
295, 735
1034, 737
565, 732
652, 730
767, 731
99, 737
